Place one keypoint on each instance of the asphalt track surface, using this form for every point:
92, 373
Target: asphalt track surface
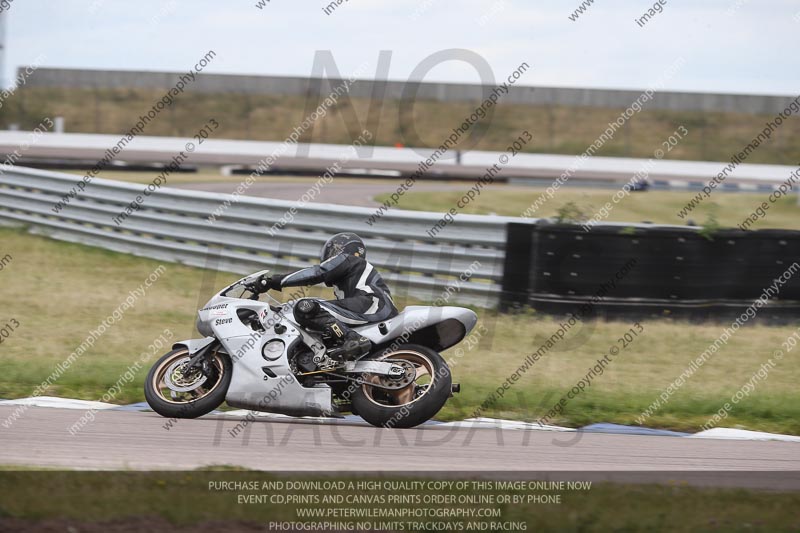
139, 441
358, 194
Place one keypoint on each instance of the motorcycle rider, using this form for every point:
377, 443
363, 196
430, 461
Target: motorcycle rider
362, 296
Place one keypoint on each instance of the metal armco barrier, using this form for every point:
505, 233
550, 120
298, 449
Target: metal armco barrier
172, 225
478, 260
676, 271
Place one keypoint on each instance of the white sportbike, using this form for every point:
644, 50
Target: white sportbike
255, 356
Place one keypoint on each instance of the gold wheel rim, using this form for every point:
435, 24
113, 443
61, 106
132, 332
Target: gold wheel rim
159, 384
409, 394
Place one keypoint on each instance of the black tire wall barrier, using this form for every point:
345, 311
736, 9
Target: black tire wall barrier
650, 270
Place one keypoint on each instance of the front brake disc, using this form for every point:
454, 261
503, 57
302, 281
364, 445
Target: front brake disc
176, 381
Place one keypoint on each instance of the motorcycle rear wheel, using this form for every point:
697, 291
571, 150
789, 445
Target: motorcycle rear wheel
429, 387
197, 394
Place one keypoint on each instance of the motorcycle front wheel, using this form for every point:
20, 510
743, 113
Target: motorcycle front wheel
174, 394
407, 401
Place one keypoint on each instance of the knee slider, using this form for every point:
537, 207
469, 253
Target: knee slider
306, 308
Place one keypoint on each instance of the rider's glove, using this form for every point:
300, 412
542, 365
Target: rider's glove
266, 283
275, 282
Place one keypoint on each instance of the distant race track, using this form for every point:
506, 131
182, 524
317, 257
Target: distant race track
359, 194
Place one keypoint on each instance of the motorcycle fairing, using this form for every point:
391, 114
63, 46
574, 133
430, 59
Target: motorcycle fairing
436, 327
193, 345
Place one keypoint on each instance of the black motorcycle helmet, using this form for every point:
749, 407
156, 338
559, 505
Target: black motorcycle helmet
347, 243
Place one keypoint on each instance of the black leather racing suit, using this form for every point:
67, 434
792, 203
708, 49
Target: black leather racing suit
362, 296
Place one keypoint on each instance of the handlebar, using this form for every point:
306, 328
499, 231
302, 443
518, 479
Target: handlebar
249, 284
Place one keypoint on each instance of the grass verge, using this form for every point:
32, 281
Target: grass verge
556, 129
658, 207
105, 501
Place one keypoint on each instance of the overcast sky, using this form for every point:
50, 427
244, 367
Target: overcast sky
739, 46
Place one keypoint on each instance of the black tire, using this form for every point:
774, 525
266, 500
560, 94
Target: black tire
419, 410
204, 404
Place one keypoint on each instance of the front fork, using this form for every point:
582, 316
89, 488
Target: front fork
199, 361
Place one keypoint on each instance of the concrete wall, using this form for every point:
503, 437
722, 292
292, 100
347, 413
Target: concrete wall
445, 92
